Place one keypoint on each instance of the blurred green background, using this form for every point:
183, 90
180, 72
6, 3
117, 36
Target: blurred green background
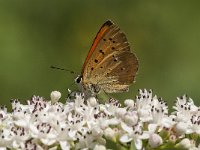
34, 35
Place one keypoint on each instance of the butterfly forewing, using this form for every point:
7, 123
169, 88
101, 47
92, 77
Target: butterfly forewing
110, 64
103, 30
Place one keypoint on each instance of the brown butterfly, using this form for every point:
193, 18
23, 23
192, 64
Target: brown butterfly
110, 65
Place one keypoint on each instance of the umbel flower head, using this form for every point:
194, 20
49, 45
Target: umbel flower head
80, 123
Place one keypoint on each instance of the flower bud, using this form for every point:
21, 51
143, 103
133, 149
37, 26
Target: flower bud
131, 119
99, 147
185, 143
110, 133
155, 140
129, 102
92, 101
55, 96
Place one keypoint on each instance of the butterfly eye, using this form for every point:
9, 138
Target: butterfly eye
78, 79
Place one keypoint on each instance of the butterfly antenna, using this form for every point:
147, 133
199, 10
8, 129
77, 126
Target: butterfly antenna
58, 68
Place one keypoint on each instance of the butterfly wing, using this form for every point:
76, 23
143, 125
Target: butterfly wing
110, 64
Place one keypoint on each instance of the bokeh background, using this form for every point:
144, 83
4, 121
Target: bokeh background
34, 35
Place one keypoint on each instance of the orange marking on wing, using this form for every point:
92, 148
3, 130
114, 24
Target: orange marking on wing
98, 37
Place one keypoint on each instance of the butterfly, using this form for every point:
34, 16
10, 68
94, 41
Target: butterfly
110, 65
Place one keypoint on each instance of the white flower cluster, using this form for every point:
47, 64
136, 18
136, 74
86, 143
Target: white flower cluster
82, 123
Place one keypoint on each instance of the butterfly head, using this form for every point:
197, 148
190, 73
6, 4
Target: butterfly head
78, 79
93, 89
